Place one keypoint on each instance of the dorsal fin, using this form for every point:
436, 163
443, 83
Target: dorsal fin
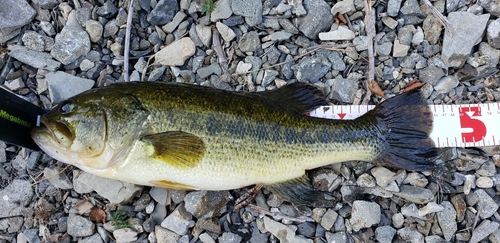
300, 96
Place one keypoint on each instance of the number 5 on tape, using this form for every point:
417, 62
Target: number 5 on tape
453, 126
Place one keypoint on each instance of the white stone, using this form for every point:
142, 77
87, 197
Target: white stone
283, 232
399, 50
243, 67
226, 32
176, 53
342, 33
344, 6
484, 182
383, 176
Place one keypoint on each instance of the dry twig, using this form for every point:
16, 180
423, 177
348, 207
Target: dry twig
246, 198
221, 56
279, 216
370, 34
126, 76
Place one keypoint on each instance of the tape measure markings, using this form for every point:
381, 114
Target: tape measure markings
464, 125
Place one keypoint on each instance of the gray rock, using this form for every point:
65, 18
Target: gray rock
278, 36
432, 29
160, 195
445, 84
33, 41
383, 176
110, 29
343, 89
204, 33
95, 238
156, 74
416, 179
107, 10
14, 14
364, 214
495, 236
15, 197
484, 182
339, 237
165, 235
57, 179
269, 77
335, 58
288, 26
207, 204
467, 30
79, 226
399, 50
125, 235
312, 68
493, 34
249, 42
384, 49
113, 190
206, 71
412, 8
35, 59
486, 205
94, 29
86, 64
398, 220
415, 194
431, 75
447, 220
410, 235
385, 233
48, 28
172, 25
62, 85
251, 10
228, 237
225, 32
491, 6
393, 7
222, 11
306, 229
163, 12
344, 6
46, 4
71, 43
483, 230
328, 219
179, 221
283, 232
318, 18
32, 235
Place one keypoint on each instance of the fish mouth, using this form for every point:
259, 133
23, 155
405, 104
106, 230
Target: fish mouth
56, 133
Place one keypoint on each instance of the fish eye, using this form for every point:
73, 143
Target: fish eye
67, 107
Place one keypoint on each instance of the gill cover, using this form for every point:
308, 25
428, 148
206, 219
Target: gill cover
97, 129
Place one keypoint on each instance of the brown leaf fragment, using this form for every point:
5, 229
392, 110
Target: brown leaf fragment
339, 19
97, 215
414, 84
375, 88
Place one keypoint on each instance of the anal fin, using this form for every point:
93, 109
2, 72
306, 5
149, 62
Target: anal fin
300, 192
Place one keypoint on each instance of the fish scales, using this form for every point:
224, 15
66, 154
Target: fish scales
192, 137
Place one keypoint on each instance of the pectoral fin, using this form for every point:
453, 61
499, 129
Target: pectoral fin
179, 149
300, 192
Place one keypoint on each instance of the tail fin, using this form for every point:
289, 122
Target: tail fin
405, 123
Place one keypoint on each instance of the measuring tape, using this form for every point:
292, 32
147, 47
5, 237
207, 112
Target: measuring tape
473, 125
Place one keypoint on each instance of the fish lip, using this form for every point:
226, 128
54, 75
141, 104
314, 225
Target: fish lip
46, 129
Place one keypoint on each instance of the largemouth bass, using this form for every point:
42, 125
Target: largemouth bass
191, 137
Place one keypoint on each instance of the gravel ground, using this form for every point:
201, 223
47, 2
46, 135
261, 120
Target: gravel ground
53, 49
